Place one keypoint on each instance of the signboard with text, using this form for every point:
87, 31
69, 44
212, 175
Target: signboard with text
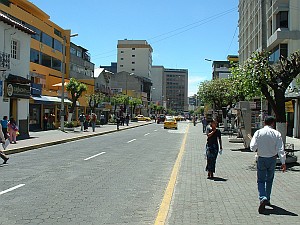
13, 90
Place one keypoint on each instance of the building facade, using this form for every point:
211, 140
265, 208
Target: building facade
157, 75
273, 26
135, 56
112, 68
14, 72
176, 89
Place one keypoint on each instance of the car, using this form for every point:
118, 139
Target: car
179, 118
161, 118
170, 122
142, 118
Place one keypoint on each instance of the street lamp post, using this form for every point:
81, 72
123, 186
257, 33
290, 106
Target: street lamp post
62, 107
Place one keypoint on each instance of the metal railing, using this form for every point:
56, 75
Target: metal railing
4, 61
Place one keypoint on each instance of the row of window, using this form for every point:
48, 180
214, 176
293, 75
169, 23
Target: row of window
45, 60
131, 49
131, 69
76, 52
80, 69
46, 39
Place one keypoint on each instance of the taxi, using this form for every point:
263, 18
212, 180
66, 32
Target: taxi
170, 122
142, 118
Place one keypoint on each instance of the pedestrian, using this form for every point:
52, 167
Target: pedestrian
102, 119
204, 124
81, 120
93, 121
118, 122
268, 143
2, 140
122, 120
212, 148
45, 121
4, 123
12, 130
127, 119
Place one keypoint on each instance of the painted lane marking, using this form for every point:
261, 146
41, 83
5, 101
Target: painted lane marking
166, 202
131, 140
101, 153
146, 134
11, 189
155, 130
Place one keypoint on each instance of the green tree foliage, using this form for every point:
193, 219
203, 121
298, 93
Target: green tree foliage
133, 102
95, 99
258, 75
220, 92
76, 88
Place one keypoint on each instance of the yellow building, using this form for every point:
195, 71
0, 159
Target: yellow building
46, 62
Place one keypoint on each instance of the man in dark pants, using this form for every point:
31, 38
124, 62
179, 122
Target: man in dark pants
2, 140
268, 143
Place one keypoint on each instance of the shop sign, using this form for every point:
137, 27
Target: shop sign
289, 107
1, 87
17, 90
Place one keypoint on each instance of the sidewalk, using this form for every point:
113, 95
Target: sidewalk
53, 137
232, 197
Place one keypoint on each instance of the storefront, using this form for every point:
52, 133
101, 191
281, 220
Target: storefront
16, 98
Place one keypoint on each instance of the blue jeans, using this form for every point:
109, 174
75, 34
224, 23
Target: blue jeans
265, 176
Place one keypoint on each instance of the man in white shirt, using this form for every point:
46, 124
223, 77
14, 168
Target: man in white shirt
268, 143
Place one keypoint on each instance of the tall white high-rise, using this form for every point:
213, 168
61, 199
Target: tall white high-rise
135, 56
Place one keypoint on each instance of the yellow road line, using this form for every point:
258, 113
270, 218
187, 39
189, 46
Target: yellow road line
166, 202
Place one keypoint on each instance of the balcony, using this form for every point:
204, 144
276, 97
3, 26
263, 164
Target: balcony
4, 61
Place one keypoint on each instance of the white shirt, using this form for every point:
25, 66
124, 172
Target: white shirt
268, 143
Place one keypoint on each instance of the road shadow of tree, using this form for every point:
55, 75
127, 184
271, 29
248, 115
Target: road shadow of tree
276, 210
290, 167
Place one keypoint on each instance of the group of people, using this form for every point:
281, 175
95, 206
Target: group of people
121, 120
266, 141
8, 131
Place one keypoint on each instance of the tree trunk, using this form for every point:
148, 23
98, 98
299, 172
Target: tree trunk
281, 127
70, 117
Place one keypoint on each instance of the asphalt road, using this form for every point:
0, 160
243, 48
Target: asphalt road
118, 178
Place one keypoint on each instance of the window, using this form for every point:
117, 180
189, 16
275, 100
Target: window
73, 51
122, 58
34, 56
132, 62
282, 20
57, 32
47, 40
79, 53
122, 51
56, 64
46, 60
121, 65
132, 69
284, 50
133, 49
133, 56
57, 45
37, 35
15, 49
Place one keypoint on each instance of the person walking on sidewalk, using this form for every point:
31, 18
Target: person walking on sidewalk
212, 148
93, 121
204, 124
81, 120
12, 129
4, 123
268, 143
2, 155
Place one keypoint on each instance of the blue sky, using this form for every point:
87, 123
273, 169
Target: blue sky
182, 33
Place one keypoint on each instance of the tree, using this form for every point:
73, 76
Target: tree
258, 74
133, 103
118, 100
95, 99
76, 88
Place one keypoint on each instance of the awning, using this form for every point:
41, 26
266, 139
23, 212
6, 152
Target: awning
49, 99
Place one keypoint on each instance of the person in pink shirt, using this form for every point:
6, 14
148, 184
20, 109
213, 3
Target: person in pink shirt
13, 129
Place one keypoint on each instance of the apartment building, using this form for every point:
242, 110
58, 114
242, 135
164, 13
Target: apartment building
274, 26
135, 56
48, 63
14, 72
221, 69
157, 76
176, 89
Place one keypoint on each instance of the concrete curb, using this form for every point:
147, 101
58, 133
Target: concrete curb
51, 143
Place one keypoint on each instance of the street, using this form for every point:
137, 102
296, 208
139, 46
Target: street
124, 178
117, 178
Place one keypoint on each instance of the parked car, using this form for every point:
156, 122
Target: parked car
161, 118
142, 118
170, 122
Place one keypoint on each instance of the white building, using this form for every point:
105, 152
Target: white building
14, 72
274, 26
135, 56
157, 75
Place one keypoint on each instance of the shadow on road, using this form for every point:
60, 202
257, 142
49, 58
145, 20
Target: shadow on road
220, 179
276, 210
